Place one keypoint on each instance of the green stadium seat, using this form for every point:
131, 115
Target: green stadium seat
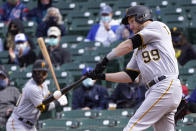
186, 128
118, 113
80, 114
93, 123
30, 27
191, 83
190, 64
4, 57
3, 30
192, 34
30, 3
60, 124
72, 39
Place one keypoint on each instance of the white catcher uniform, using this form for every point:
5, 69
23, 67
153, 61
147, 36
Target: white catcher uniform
156, 59
26, 114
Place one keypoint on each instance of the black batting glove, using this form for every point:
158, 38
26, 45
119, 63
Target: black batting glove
95, 76
100, 67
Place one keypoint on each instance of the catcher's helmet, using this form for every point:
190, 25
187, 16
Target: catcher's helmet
40, 65
140, 12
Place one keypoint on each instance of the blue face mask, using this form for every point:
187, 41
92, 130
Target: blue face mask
3, 83
25, 51
106, 18
88, 82
53, 41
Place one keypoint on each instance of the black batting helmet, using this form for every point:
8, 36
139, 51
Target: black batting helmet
40, 65
40, 71
140, 12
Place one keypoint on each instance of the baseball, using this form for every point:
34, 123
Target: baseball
57, 94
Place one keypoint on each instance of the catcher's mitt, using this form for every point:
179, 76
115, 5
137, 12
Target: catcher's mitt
182, 110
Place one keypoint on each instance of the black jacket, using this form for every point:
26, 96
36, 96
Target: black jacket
25, 60
94, 98
186, 53
58, 56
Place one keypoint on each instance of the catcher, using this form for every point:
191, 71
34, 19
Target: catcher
186, 107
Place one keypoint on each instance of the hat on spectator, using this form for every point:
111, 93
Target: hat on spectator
20, 38
54, 31
106, 9
87, 69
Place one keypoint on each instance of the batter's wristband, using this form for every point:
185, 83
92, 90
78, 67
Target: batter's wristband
105, 60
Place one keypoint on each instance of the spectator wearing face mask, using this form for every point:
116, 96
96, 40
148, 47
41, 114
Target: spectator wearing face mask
15, 27
37, 13
8, 96
104, 32
90, 95
22, 54
13, 9
58, 55
53, 17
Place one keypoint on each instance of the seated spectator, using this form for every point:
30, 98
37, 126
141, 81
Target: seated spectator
22, 55
58, 55
128, 95
13, 9
37, 13
123, 32
90, 95
15, 27
53, 17
104, 31
184, 50
8, 96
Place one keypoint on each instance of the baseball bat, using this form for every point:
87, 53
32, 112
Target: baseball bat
47, 58
51, 98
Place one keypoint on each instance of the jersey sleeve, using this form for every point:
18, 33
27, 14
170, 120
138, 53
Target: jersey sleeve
35, 97
149, 35
132, 65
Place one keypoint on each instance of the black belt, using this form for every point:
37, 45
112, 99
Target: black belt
27, 122
152, 82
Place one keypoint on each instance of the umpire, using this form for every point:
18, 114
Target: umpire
29, 106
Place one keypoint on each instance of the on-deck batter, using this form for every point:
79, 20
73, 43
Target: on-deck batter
29, 107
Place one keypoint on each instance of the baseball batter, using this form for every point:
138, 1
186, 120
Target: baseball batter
153, 59
29, 106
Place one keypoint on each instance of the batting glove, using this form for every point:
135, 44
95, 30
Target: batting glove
63, 100
95, 76
100, 67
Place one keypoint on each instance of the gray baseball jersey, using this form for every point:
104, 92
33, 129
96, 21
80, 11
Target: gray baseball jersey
157, 57
32, 96
154, 59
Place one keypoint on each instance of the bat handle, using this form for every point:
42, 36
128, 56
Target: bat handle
48, 100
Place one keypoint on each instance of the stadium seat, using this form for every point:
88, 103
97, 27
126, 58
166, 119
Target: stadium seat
192, 34
60, 123
118, 113
30, 28
190, 64
93, 123
191, 83
30, 3
4, 56
79, 114
3, 30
